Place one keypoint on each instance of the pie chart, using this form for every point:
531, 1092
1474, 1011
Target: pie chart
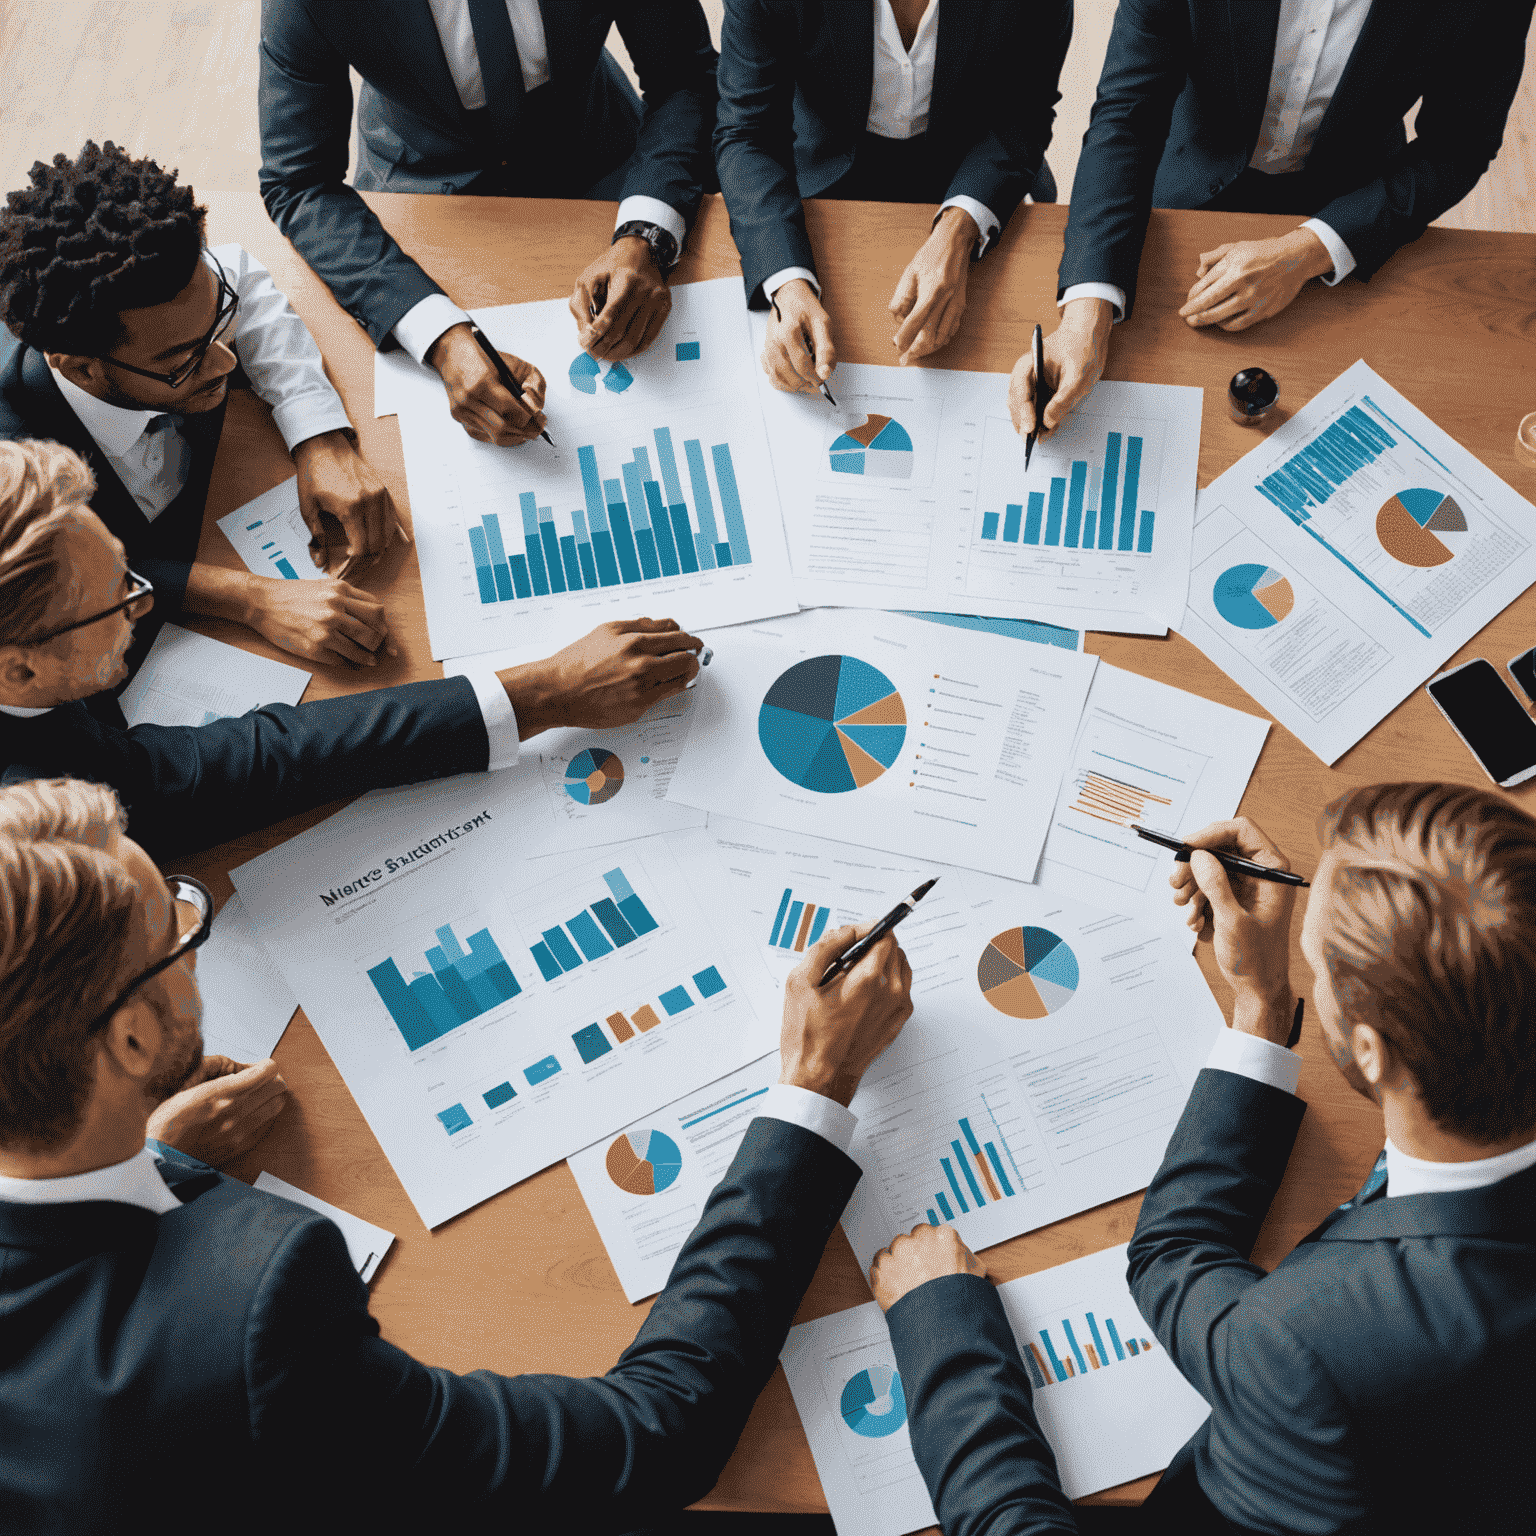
832, 724
1407, 524
878, 448
1027, 973
585, 371
594, 775
1253, 596
644, 1162
873, 1404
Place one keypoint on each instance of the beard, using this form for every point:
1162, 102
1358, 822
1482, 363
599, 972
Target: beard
178, 1062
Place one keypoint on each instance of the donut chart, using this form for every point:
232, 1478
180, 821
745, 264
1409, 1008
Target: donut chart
1027, 973
585, 371
1253, 596
873, 1403
1408, 522
879, 447
594, 776
644, 1162
832, 724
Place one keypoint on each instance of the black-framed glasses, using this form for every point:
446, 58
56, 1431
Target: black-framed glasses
229, 302
193, 897
141, 587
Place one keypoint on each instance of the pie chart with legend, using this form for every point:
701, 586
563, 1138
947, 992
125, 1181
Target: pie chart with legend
832, 724
1253, 596
1027, 973
644, 1162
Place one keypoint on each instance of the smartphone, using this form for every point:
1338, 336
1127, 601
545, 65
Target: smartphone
1523, 669
1489, 719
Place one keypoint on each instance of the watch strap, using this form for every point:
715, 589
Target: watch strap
663, 245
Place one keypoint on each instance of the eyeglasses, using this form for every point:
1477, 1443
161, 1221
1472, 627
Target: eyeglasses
229, 302
193, 897
142, 588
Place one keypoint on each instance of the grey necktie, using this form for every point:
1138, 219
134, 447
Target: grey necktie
167, 461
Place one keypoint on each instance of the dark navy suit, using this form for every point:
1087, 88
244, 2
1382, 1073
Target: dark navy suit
216, 1368
1181, 100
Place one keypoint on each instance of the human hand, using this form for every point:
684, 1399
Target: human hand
224, 1111
925, 1253
1245, 281
323, 621
632, 301
1075, 355
799, 355
477, 398
607, 678
335, 480
1251, 923
930, 298
831, 1034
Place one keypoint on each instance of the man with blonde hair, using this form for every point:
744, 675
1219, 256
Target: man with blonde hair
68, 603
178, 1348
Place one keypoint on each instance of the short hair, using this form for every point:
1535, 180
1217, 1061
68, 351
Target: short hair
40, 482
68, 910
1431, 939
89, 238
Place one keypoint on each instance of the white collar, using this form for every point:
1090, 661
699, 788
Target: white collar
1414, 1176
115, 428
23, 713
136, 1181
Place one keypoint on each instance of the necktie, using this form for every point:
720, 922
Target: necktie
1374, 1187
166, 461
501, 72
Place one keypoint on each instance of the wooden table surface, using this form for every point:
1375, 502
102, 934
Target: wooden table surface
521, 1283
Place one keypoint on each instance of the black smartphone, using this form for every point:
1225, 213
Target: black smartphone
1523, 669
1489, 719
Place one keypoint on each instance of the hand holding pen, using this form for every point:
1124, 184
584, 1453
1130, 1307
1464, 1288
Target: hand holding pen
799, 355
508, 382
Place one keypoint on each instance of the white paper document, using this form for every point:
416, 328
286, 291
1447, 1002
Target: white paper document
1151, 754
188, 679
366, 1243
1349, 555
912, 494
1049, 1055
885, 731
491, 1015
271, 536
659, 498
246, 1002
1109, 1400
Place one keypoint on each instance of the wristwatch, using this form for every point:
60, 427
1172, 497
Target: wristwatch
664, 251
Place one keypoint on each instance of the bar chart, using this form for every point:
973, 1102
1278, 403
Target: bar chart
637, 526
609, 923
459, 986
593, 1042
797, 923
975, 1167
1048, 1367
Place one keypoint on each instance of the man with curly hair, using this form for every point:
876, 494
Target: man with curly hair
123, 335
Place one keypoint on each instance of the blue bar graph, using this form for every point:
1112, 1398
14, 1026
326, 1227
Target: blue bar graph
980, 1166
459, 986
730, 504
1036, 517
1111, 487
989, 525
533, 544
944, 1205
1132, 486
1075, 502
1054, 511
608, 923
1011, 523
703, 505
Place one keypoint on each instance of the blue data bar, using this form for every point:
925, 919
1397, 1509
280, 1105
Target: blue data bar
1035, 518
1107, 495
703, 503
1015, 512
1053, 514
1132, 488
730, 503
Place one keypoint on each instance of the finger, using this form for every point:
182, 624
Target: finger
379, 515
347, 650
821, 344
1074, 386
640, 626
1243, 321
877, 960
364, 606
663, 644
773, 361
218, 1066
1244, 835
357, 631
625, 292
1225, 309
1214, 886
582, 300
937, 332
906, 294
923, 312
800, 354
657, 318
1217, 254
658, 671
1021, 396
826, 949
495, 407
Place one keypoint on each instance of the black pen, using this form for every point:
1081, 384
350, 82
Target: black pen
510, 384
1037, 345
851, 957
826, 394
1232, 861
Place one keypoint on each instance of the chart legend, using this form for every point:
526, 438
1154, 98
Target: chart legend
797, 923
832, 724
460, 986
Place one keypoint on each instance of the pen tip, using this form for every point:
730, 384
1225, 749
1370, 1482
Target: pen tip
923, 890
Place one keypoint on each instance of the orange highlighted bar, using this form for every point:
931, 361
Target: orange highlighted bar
986, 1178
1066, 1360
1093, 1359
644, 1017
805, 925
620, 1027
1045, 1370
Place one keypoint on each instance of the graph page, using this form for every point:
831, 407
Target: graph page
270, 535
190, 679
1339, 564
1151, 754
912, 494
1109, 1400
1045, 1065
492, 1016
888, 732
659, 497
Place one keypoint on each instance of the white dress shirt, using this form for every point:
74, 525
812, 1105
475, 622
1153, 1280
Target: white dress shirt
420, 326
899, 100
1313, 45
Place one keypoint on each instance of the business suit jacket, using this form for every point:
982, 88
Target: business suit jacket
1181, 101
795, 83
188, 787
415, 136
218, 1364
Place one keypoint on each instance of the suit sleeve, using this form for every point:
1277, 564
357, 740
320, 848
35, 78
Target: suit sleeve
305, 112
1458, 132
599, 1453
1144, 71
755, 142
675, 61
988, 1468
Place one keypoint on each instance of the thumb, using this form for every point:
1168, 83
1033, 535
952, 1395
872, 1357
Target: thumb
905, 296
826, 949
1211, 877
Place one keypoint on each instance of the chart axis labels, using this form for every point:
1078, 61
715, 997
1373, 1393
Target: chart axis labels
1408, 522
832, 724
594, 776
1253, 596
873, 1403
1027, 973
644, 1162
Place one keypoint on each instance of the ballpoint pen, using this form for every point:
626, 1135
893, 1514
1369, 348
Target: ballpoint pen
826, 394
1232, 861
851, 957
1037, 346
504, 373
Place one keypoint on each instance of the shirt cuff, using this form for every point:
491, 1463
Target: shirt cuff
499, 716
309, 416
771, 285
825, 1117
1343, 257
423, 323
986, 220
651, 210
1116, 296
1262, 1060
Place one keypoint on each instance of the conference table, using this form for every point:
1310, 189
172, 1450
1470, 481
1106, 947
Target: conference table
521, 1282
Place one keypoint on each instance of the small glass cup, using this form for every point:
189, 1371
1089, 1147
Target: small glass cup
1525, 439
1251, 396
